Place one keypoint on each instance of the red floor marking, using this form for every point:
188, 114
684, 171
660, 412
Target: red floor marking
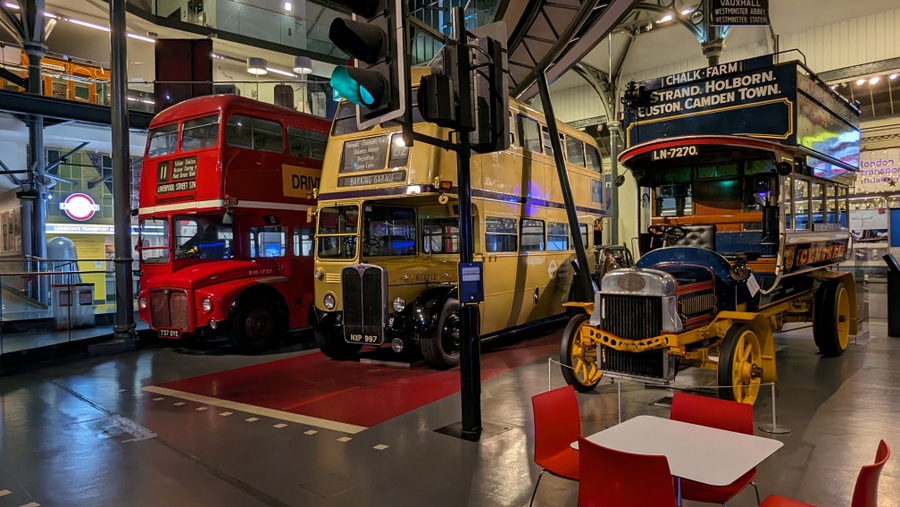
352, 392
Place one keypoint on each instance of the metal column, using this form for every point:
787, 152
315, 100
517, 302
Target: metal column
124, 329
584, 290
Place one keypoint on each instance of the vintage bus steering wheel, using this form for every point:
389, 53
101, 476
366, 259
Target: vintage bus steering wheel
669, 234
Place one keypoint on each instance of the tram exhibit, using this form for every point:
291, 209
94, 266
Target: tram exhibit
388, 234
743, 197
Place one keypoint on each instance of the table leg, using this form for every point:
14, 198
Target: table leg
678, 491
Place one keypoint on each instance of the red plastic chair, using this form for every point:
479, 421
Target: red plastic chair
865, 493
619, 479
721, 414
557, 423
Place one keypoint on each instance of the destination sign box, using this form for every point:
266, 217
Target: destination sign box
182, 173
364, 154
738, 12
754, 98
372, 179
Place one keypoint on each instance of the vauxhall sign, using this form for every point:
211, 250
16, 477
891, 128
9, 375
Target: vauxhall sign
739, 12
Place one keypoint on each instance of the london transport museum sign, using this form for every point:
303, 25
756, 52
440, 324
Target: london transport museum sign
739, 12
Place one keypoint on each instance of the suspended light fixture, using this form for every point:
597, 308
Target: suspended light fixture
257, 66
302, 65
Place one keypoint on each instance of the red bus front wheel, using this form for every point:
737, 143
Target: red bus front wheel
257, 325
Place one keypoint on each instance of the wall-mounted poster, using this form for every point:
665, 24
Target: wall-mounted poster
4, 231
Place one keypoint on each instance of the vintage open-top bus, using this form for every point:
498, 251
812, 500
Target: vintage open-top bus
224, 241
744, 171
387, 237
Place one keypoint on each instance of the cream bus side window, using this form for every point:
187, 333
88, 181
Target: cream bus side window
575, 151
500, 234
529, 133
557, 236
532, 235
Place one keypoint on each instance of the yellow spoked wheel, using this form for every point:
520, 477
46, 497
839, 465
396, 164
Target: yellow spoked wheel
580, 365
740, 365
831, 318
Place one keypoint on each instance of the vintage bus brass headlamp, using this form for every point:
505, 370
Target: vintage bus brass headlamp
328, 301
206, 304
399, 304
142, 302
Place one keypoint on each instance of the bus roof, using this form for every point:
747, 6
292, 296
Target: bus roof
205, 104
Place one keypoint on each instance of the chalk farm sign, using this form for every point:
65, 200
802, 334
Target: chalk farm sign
739, 12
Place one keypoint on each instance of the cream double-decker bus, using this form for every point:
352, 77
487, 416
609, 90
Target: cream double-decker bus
387, 242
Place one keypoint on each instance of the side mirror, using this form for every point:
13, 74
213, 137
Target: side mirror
620, 180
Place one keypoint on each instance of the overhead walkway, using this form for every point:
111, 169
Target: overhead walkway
56, 110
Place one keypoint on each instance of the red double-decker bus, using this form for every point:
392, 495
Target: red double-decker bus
225, 246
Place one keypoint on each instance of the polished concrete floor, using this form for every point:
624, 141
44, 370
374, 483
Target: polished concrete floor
86, 432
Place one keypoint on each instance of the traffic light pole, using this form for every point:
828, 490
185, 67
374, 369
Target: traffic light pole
470, 346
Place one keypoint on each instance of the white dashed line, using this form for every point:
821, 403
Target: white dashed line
180, 403
380, 447
158, 399
344, 439
226, 414
310, 432
252, 419
260, 411
5, 492
280, 425
201, 409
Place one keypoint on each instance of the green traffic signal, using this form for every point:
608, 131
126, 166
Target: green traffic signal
363, 87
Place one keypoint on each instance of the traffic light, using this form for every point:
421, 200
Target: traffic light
375, 38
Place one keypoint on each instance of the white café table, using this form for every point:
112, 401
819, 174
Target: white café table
699, 453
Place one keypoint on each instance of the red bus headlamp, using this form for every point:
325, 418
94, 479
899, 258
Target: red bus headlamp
399, 304
206, 304
328, 301
142, 302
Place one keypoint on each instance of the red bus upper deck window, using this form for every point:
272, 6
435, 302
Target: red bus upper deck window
254, 134
306, 143
200, 133
162, 140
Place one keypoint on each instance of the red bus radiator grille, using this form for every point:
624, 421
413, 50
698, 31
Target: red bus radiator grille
169, 309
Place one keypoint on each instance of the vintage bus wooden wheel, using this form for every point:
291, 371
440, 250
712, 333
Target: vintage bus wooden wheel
831, 318
580, 366
441, 349
257, 325
740, 365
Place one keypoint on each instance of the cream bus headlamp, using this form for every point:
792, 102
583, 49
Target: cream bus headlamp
142, 302
399, 304
328, 301
206, 304
319, 274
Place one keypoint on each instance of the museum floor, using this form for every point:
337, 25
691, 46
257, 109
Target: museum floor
161, 427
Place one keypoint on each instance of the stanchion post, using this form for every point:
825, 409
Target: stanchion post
774, 428
619, 392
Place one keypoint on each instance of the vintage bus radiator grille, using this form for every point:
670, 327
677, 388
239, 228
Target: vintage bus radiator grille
645, 364
632, 317
169, 309
365, 303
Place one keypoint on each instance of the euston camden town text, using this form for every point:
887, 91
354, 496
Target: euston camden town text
714, 93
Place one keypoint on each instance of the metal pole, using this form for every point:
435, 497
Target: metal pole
584, 290
470, 348
124, 329
613, 125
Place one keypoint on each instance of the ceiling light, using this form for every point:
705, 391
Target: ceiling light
51, 16
860, 81
10, 5
894, 76
288, 6
686, 12
89, 25
302, 65
874, 80
257, 66
278, 71
667, 17
141, 37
